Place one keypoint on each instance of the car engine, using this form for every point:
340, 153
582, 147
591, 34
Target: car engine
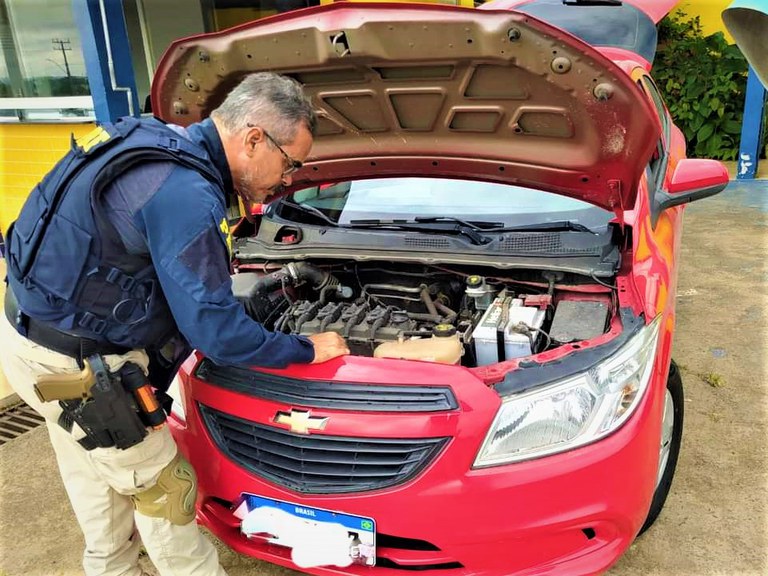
422, 312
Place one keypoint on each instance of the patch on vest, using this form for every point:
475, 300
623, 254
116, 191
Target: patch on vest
224, 227
204, 257
94, 137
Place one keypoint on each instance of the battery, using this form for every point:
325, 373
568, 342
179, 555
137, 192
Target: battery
517, 345
490, 330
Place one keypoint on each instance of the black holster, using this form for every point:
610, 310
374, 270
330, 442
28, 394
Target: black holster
109, 417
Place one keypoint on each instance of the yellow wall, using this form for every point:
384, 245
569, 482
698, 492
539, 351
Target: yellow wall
27, 152
709, 13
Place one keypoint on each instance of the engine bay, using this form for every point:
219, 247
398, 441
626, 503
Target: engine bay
427, 312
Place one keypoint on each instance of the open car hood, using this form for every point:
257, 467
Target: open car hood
436, 90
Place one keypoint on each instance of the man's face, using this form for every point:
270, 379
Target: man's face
266, 166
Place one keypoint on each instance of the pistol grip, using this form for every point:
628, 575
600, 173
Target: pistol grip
64, 386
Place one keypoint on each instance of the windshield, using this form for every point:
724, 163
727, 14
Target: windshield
408, 198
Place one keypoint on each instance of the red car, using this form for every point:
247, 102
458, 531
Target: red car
491, 217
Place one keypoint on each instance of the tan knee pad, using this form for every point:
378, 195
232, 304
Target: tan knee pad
173, 496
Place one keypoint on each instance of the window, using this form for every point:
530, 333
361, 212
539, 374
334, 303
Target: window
42, 72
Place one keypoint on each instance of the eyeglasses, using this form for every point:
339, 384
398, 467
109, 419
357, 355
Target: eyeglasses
290, 165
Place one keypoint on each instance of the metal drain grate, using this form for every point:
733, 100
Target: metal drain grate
16, 420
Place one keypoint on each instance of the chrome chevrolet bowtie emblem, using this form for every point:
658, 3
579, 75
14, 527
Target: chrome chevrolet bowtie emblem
300, 422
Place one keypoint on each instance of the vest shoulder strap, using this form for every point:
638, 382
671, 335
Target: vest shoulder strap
109, 150
154, 142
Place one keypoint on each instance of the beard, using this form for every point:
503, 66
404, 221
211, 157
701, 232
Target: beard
249, 189
252, 194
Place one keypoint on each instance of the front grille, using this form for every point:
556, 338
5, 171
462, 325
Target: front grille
387, 563
319, 464
335, 395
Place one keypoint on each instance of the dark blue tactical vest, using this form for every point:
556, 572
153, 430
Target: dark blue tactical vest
67, 265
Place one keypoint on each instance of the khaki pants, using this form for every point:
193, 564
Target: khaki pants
100, 482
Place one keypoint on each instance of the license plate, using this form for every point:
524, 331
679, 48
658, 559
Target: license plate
316, 537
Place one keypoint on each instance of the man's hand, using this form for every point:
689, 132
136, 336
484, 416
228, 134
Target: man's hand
328, 345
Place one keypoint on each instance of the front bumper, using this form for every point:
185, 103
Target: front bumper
571, 513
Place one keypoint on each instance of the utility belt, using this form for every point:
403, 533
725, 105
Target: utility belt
114, 409
54, 339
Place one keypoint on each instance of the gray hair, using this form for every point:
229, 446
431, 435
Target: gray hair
271, 101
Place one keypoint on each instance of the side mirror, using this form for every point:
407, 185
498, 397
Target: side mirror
693, 179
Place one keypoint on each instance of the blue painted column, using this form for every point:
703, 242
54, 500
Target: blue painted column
107, 56
751, 128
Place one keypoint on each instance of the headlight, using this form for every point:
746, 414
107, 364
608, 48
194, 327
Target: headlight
574, 411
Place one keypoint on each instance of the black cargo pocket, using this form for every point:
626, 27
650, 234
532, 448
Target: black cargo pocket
62, 256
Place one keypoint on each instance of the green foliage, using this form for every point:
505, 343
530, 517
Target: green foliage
46, 86
703, 80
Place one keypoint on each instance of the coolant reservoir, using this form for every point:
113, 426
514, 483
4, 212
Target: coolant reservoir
443, 347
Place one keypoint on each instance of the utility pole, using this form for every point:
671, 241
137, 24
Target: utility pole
65, 46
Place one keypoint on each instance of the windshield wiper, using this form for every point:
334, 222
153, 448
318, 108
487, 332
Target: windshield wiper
481, 226
468, 229
443, 224
450, 227
474, 224
309, 209
558, 225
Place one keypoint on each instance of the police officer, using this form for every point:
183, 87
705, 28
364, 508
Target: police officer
122, 253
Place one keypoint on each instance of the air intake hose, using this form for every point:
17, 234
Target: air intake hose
295, 274
303, 272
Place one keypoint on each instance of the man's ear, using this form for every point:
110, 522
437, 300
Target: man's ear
253, 136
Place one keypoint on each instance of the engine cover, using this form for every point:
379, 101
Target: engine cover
363, 327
